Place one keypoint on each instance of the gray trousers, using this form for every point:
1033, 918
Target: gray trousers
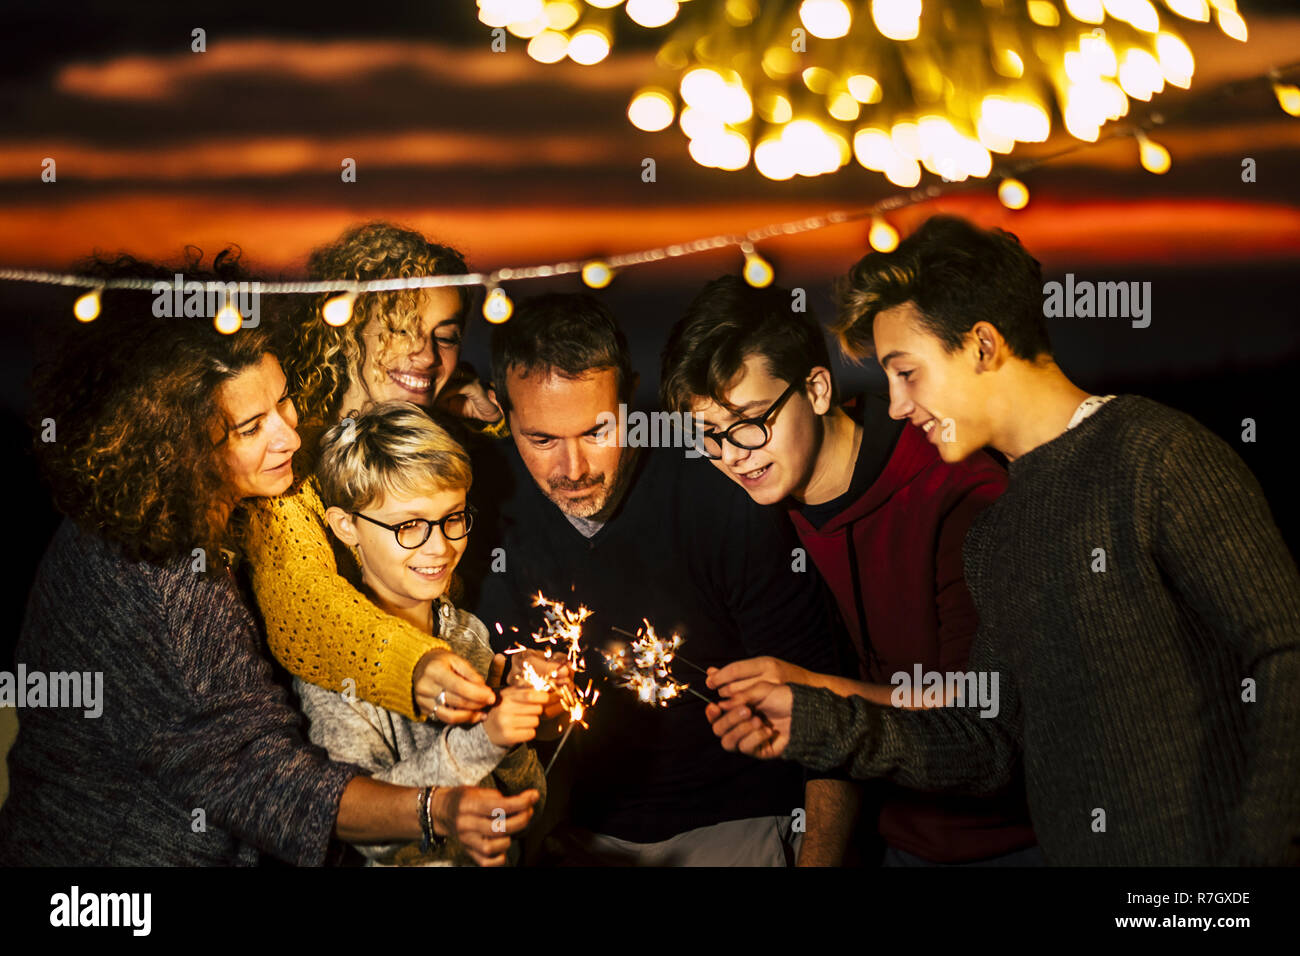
757, 841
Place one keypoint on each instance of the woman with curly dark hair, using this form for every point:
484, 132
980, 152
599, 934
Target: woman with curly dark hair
191, 754
401, 345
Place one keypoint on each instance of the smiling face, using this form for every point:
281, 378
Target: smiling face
400, 577
558, 426
258, 450
782, 467
940, 392
411, 376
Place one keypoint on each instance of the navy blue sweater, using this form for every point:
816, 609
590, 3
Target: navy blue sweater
690, 551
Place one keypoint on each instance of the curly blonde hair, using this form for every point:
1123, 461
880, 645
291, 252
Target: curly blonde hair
321, 360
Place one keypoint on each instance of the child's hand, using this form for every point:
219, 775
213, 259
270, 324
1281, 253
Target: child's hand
449, 689
514, 720
556, 669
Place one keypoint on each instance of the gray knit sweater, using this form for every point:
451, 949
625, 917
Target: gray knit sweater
1156, 703
415, 754
198, 757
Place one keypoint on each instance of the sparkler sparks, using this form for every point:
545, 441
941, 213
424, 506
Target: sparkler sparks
561, 638
645, 667
561, 628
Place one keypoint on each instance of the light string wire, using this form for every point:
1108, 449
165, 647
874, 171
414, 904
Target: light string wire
744, 241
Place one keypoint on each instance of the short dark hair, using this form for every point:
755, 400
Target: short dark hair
956, 275
725, 324
569, 334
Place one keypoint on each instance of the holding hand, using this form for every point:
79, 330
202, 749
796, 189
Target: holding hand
482, 820
742, 675
755, 721
449, 689
514, 720
555, 669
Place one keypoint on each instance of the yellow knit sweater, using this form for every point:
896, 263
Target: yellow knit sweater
318, 625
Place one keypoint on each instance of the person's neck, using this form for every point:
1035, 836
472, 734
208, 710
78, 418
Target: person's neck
416, 613
1036, 409
837, 454
355, 399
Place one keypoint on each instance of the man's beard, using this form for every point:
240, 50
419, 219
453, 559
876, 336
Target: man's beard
602, 490
583, 507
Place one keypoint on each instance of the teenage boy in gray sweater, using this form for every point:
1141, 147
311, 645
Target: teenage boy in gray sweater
1135, 596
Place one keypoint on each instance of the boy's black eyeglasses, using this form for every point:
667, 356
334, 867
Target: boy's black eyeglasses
412, 534
748, 434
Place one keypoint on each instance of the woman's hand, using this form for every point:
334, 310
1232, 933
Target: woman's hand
449, 689
514, 720
754, 721
482, 820
464, 396
739, 676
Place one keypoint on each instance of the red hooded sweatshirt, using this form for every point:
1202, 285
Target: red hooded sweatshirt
893, 560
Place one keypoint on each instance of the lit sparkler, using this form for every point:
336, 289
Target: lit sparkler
561, 638
645, 667
561, 630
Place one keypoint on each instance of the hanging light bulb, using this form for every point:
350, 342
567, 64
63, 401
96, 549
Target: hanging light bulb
597, 274
228, 320
758, 271
883, 237
86, 308
651, 13
338, 310
651, 110
897, 19
827, 19
1153, 156
1013, 194
1230, 21
497, 307
1288, 97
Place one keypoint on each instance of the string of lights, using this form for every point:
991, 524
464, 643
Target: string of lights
598, 273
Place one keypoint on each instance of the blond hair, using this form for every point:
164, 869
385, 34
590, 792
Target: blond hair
393, 448
323, 360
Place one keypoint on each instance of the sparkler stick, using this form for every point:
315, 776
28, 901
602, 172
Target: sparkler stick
551, 763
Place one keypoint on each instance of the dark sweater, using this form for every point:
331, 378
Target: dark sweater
191, 721
1122, 688
688, 550
892, 556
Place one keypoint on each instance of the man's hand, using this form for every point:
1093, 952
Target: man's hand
482, 820
442, 672
755, 721
465, 397
741, 675
514, 720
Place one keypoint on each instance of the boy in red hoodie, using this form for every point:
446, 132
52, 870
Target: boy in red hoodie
882, 517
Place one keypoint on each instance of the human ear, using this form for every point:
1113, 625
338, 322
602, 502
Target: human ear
342, 525
819, 389
988, 345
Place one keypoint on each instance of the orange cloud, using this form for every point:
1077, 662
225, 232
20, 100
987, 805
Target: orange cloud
151, 78
276, 238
